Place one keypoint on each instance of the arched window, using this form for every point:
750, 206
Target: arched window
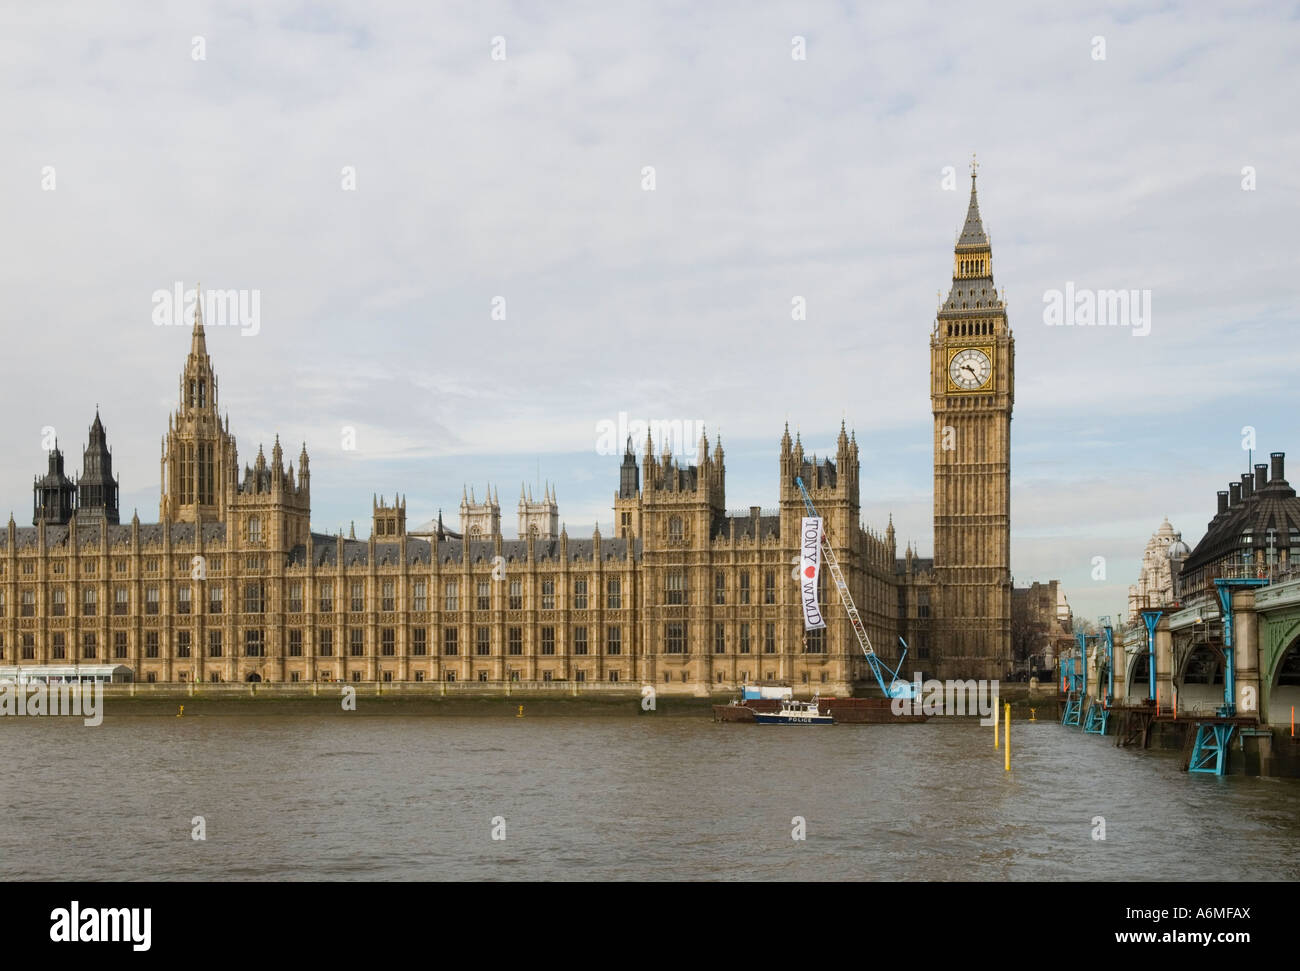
255, 529
675, 529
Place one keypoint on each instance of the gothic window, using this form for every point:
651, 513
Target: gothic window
515, 641
326, 597
59, 604
255, 529
254, 643
548, 640
769, 587
482, 641
675, 638
579, 640
121, 601
483, 600
215, 600
214, 643
675, 529
451, 598
769, 639
548, 594
202, 393
183, 599
614, 641
719, 638
580, 594
613, 589
674, 588
419, 641
516, 594
254, 598
356, 642
719, 588
389, 600
450, 641
420, 599
295, 643
388, 642
183, 643
744, 588
295, 597
475, 532
358, 596
151, 600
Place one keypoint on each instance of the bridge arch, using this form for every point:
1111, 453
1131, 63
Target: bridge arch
1200, 680
1137, 682
1284, 685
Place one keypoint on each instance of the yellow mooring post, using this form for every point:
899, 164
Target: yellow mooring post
995, 726
1006, 738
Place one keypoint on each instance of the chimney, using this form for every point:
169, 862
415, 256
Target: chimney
1261, 477
1247, 481
1234, 494
1277, 458
1223, 502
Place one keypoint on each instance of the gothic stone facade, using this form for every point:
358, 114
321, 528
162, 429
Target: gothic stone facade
232, 584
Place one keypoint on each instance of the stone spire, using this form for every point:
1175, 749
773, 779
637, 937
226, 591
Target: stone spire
198, 340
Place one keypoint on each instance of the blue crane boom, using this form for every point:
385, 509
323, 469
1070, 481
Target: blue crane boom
888, 680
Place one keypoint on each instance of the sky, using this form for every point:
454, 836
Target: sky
478, 231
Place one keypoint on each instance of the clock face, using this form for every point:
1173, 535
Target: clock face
969, 369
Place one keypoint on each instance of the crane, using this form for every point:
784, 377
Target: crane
893, 687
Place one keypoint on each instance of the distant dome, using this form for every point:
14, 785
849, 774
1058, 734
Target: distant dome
1178, 550
1166, 529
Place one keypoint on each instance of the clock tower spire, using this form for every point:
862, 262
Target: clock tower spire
972, 388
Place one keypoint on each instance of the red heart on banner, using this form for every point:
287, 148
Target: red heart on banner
810, 572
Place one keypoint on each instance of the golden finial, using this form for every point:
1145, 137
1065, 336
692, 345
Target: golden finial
973, 165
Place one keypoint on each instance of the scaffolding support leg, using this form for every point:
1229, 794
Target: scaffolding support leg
1210, 753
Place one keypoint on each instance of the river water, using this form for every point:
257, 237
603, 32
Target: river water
589, 798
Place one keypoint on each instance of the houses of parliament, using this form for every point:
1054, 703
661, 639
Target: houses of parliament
232, 584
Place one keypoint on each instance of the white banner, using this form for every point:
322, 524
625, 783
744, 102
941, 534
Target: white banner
810, 556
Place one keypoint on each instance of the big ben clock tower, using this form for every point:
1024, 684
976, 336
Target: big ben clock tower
972, 387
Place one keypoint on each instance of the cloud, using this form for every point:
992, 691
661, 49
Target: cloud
775, 178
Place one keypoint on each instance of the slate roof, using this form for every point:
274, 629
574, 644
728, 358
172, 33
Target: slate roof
1273, 507
745, 527
88, 535
920, 564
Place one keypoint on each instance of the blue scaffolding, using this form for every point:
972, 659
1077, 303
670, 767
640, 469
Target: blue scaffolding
1099, 707
1210, 751
1074, 675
